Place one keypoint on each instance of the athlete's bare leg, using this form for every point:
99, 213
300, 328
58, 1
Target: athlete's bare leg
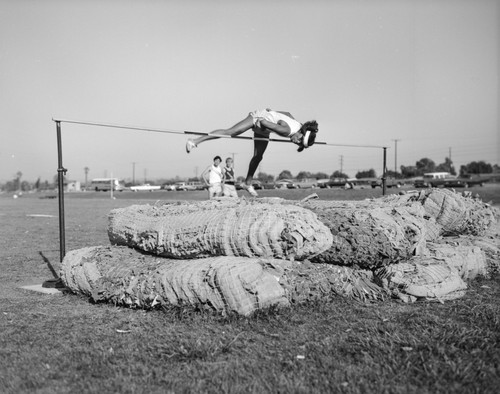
237, 129
259, 147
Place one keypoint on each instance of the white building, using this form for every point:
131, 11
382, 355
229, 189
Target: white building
72, 186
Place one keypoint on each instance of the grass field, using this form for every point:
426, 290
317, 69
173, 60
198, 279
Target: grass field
63, 343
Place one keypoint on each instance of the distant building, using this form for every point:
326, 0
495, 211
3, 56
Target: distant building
72, 186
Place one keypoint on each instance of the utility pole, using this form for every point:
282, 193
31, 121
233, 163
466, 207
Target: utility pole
133, 173
232, 155
341, 164
396, 156
449, 159
86, 169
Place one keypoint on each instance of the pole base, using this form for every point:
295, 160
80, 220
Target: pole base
55, 283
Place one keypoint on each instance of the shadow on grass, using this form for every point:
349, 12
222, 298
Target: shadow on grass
49, 265
55, 282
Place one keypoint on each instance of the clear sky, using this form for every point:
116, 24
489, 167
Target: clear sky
424, 72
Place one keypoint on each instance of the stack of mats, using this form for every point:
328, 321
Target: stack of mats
240, 256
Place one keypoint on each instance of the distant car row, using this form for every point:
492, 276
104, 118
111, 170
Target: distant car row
433, 179
106, 184
184, 186
445, 179
178, 186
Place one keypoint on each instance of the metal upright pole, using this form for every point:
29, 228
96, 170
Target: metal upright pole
383, 171
61, 171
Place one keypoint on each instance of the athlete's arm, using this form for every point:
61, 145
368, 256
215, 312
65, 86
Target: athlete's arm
281, 128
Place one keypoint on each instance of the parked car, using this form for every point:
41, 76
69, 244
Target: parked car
306, 183
473, 180
455, 182
184, 186
168, 186
432, 179
285, 184
420, 182
389, 182
268, 185
360, 183
145, 187
331, 182
465, 181
198, 185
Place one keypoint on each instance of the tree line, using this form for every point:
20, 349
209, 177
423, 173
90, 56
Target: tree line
427, 165
421, 167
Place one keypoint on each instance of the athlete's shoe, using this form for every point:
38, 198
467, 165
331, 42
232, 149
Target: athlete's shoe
190, 145
250, 189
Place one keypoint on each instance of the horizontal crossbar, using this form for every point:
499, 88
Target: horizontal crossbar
188, 132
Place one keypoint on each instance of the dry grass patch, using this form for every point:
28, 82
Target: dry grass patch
62, 344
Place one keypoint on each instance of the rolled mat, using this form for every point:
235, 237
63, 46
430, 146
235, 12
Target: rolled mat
371, 238
428, 278
220, 228
457, 213
439, 275
126, 277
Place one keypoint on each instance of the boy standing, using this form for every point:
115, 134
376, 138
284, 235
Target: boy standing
215, 176
229, 180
